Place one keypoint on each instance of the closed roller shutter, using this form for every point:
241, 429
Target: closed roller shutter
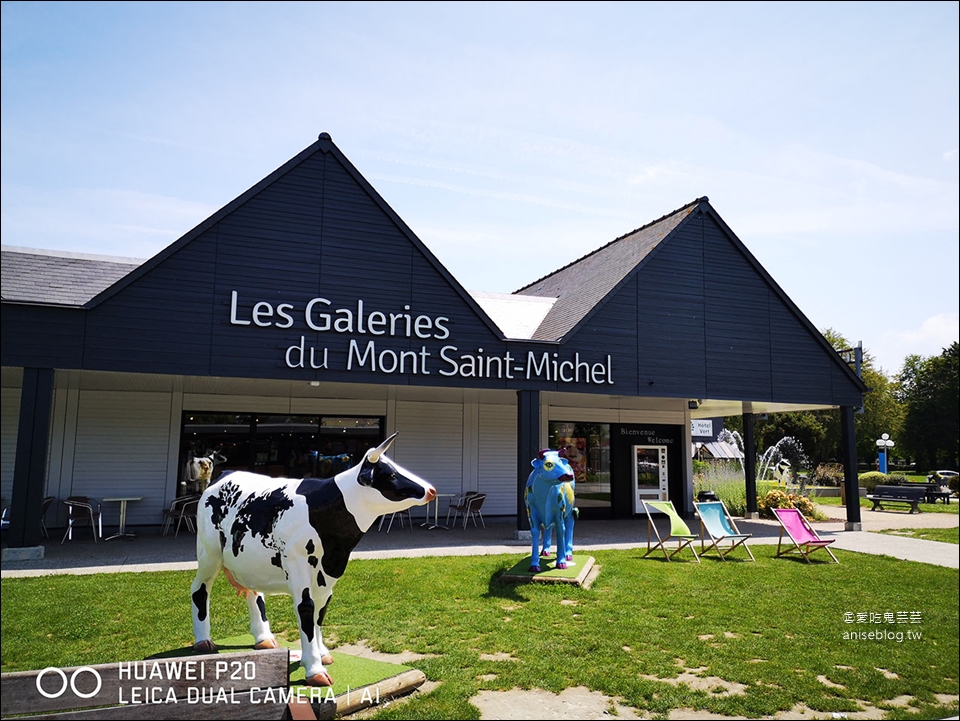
122, 448
497, 463
430, 443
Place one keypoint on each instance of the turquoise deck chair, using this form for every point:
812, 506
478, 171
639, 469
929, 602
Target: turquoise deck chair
716, 522
679, 531
805, 540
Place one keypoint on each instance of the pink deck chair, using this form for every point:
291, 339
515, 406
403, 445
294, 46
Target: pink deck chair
805, 539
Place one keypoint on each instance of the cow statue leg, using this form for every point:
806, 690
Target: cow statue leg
568, 533
536, 528
263, 638
208, 568
310, 604
562, 556
545, 545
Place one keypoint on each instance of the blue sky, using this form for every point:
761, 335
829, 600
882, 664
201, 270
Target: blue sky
515, 138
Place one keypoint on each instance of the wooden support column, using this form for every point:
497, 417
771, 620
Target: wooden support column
848, 453
30, 466
528, 445
750, 465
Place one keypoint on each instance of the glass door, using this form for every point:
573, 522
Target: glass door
649, 475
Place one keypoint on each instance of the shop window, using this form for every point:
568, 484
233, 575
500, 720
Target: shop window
291, 446
588, 450
227, 434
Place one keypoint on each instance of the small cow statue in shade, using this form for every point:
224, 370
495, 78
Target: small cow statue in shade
283, 536
549, 498
198, 470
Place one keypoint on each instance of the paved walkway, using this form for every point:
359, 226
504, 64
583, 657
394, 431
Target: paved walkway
152, 552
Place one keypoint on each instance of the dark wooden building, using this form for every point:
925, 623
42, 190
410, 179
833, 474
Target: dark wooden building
305, 320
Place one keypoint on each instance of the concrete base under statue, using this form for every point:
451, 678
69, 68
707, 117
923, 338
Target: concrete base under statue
582, 571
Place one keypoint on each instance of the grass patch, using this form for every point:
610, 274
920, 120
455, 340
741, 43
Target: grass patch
943, 535
773, 626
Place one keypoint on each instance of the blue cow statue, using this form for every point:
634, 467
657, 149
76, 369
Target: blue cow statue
550, 506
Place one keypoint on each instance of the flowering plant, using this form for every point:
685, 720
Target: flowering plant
779, 499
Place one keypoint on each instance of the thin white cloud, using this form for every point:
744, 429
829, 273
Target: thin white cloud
929, 338
97, 220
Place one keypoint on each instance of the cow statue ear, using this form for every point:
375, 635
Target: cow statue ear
562, 452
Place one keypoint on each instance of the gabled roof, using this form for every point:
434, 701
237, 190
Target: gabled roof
323, 145
52, 277
582, 285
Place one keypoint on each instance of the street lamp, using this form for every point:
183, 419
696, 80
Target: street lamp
884, 444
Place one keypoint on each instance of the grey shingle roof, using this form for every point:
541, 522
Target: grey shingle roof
581, 285
58, 278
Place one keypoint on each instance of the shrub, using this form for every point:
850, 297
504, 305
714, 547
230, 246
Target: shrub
828, 474
872, 479
779, 499
897, 479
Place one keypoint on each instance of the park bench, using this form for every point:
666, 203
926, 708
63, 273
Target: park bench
933, 491
898, 494
243, 685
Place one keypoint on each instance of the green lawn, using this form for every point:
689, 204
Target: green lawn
774, 626
944, 535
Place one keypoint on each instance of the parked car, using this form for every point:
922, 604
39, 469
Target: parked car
950, 479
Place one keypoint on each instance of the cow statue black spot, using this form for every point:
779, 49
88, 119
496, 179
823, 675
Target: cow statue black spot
283, 536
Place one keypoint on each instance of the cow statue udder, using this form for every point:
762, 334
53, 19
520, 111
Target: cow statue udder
283, 536
549, 498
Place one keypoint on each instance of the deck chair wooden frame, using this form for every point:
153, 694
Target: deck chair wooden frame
679, 531
804, 539
717, 523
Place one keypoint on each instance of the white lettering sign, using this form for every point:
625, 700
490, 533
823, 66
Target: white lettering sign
701, 427
375, 354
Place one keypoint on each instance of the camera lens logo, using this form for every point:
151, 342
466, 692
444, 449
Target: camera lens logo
71, 682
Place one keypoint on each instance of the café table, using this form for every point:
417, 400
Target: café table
436, 512
123, 501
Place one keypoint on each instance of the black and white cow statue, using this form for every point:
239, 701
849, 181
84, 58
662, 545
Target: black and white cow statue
783, 473
283, 536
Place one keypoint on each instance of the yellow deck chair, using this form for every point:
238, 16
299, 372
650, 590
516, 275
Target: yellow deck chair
679, 531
